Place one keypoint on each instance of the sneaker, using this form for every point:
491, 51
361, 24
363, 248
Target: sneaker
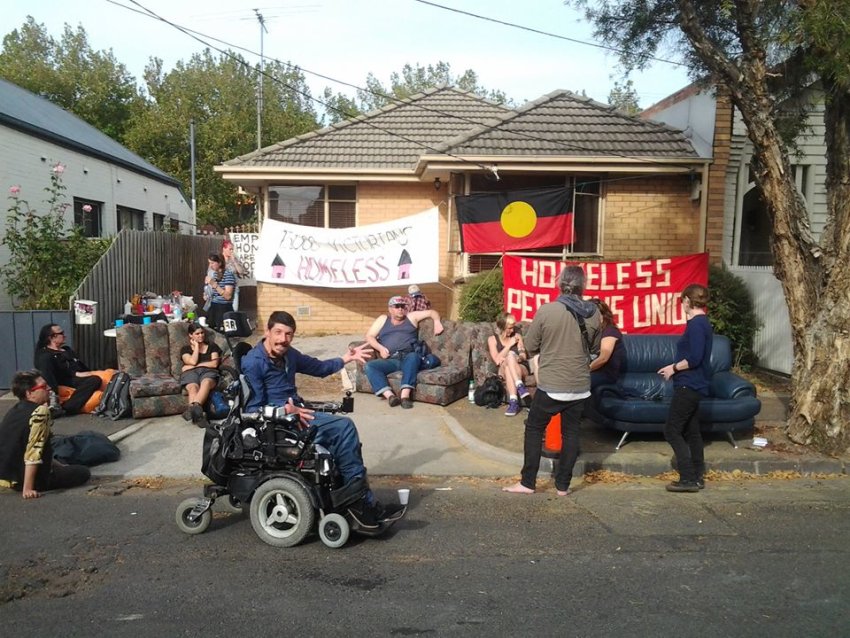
187, 414
682, 486
367, 514
522, 391
392, 512
197, 412
407, 403
513, 408
394, 401
701, 483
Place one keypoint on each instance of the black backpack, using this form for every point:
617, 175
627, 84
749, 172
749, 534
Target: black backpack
115, 402
491, 393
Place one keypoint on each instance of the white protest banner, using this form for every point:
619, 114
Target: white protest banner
386, 254
245, 247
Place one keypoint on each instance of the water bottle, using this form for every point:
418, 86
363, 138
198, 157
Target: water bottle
471, 394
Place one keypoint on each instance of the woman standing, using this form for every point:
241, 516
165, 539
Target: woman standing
232, 263
507, 351
222, 285
199, 374
691, 379
606, 368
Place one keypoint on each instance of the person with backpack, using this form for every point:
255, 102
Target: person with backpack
563, 333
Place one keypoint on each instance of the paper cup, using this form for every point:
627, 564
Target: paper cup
202, 321
119, 323
146, 320
403, 496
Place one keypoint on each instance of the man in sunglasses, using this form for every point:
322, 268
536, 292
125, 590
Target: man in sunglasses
61, 367
393, 337
26, 456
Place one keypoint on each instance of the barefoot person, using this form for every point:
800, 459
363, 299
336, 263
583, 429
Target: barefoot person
562, 332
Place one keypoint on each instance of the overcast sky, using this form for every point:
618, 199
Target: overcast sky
347, 39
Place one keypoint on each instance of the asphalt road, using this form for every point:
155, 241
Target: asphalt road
761, 558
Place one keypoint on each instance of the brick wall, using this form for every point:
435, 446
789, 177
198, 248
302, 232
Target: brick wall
352, 310
650, 217
716, 190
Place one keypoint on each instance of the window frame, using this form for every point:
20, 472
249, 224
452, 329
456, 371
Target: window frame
136, 214
80, 216
327, 200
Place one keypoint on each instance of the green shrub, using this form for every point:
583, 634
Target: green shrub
481, 298
47, 262
731, 314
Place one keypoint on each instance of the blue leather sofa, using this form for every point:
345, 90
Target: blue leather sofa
639, 402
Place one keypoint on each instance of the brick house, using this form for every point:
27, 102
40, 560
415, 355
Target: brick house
635, 186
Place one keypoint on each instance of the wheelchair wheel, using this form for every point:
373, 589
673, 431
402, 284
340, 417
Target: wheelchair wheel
181, 517
281, 512
334, 530
229, 504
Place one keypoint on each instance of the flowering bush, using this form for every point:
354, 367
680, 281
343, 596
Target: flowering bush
47, 261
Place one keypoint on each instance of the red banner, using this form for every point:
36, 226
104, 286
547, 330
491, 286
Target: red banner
643, 295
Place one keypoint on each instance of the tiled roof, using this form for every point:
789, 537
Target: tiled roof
390, 138
564, 124
35, 115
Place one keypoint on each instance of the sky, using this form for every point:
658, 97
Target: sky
347, 39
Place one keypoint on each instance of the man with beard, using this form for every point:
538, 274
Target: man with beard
270, 368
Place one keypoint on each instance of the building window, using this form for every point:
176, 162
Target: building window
585, 207
329, 206
130, 218
87, 215
159, 221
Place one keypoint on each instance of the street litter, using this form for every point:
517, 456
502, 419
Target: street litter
759, 441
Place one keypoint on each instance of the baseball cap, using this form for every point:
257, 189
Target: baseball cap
397, 300
413, 289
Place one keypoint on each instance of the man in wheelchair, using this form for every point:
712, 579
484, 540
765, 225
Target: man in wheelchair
270, 368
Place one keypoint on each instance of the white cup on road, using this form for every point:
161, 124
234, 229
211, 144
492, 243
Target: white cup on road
202, 321
403, 496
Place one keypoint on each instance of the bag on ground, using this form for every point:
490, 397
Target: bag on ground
491, 393
115, 402
85, 448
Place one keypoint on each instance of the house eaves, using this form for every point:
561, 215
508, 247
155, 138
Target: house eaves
36, 116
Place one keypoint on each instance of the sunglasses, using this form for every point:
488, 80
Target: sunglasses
38, 386
399, 305
56, 334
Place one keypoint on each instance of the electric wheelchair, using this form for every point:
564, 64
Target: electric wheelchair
267, 463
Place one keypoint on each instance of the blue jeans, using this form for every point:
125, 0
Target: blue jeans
378, 369
339, 435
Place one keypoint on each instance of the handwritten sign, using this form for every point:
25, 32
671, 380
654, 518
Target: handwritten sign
245, 246
644, 296
391, 253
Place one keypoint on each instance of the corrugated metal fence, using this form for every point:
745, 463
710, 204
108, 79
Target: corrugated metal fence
137, 262
772, 345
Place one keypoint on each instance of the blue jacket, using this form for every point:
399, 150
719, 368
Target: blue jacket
275, 385
695, 347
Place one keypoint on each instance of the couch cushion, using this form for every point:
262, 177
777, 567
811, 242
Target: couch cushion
131, 349
648, 353
157, 349
154, 385
451, 346
654, 413
178, 336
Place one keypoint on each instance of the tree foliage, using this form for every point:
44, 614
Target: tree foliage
47, 259
219, 94
624, 97
91, 84
413, 79
765, 54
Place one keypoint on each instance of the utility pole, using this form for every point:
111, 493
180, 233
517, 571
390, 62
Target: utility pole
263, 29
192, 165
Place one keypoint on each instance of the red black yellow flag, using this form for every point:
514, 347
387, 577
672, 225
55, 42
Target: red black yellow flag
515, 220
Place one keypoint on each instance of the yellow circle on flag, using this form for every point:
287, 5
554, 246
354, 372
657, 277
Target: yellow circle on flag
518, 219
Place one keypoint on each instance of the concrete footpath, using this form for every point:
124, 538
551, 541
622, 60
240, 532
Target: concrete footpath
459, 440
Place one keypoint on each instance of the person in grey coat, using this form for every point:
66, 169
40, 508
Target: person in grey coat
563, 377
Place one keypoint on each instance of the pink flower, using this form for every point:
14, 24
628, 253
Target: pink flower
86, 208
59, 168
14, 191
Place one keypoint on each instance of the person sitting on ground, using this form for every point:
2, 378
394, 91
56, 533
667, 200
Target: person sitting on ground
26, 456
507, 351
76, 387
222, 285
393, 337
270, 368
606, 368
416, 299
199, 374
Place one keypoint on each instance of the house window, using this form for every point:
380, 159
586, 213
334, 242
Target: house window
87, 215
585, 192
329, 206
752, 224
130, 218
159, 222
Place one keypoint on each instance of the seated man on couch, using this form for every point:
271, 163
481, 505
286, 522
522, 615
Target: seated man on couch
270, 368
393, 337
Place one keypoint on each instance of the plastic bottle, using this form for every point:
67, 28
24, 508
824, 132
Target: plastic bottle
471, 394
128, 308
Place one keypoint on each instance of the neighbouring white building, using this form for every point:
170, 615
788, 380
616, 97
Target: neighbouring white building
108, 186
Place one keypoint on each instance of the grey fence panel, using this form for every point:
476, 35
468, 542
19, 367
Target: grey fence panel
138, 262
19, 334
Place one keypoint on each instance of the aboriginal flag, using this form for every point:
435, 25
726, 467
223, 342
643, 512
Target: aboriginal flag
515, 220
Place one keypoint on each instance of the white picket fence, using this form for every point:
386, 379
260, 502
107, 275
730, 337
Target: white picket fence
772, 344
